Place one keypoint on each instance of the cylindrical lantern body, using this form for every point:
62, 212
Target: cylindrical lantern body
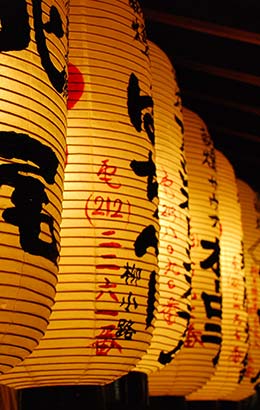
173, 311
102, 320
231, 364
33, 43
196, 361
251, 227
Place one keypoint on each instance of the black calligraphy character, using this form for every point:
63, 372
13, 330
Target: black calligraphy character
15, 28
209, 302
212, 338
167, 357
178, 101
213, 260
209, 158
131, 273
215, 220
180, 123
146, 239
243, 371
213, 201
147, 168
29, 193
131, 300
151, 299
53, 26
136, 6
140, 35
213, 182
136, 104
255, 378
125, 329
206, 137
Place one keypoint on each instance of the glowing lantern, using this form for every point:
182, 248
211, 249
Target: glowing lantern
197, 359
251, 227
102, 320
174, 263
232, 359
33, 45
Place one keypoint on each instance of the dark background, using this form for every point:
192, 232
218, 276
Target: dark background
214, 46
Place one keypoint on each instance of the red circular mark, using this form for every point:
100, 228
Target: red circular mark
75, 85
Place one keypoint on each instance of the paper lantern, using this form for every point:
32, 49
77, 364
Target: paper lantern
251, 228
174, 251
196, 361
102, 320
230, 368
33, 45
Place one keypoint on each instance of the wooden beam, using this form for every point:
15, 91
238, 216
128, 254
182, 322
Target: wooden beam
230, 132
202, 26
218, 71
220, 101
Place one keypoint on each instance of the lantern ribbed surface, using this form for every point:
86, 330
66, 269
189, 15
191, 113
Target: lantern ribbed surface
174, 262
231, 365
32, 154
102, 321
196, 361
251, 227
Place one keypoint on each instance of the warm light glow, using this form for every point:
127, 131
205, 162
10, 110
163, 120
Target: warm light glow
174, 261
32, 154
251, 227
195, 362
102, 320
231, 365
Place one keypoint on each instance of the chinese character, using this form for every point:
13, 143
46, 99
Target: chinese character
106, 341
125, 329
209, 158
15, 34
169, 311
236, 355
141, 35
131, 272
170, 267
130, 301
136, 104
15, 27
213, 260
29, 193
106, 172
166, 182
147, 168
193, 337
146, 239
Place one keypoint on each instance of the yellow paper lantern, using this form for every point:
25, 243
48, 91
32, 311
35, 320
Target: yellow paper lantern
251, 228
102, 320
33, 43
230, 368
174, 251
196, 361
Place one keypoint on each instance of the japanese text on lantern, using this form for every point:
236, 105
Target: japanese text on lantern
174, 201
138, 27
29, 193
30, 165
170, 217
211, 299
116, 208
112, 207
140, 111
15, 35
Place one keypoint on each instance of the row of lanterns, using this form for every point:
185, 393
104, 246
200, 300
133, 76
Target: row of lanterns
127, 243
